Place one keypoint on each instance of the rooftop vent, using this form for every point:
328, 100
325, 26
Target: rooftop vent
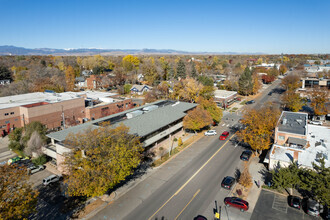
299, 121
284, 121
176, 103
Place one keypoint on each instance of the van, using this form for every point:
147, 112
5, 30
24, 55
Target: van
51, 179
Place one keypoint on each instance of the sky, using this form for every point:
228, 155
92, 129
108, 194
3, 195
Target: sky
244, 26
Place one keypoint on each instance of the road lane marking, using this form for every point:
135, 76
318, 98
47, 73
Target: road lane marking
188, 204
192, 177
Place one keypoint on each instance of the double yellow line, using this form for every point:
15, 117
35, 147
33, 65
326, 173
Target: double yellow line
178, 191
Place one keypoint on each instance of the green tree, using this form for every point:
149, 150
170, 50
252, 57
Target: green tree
207, 92
100, 159
287, 177
197, 119
245, 82
4, 73
193, 70
17, 197
181, 70
127, 88
206, 81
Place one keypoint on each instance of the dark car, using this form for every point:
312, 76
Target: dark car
237, 203
250, 102
270, 93
295, 202
228, 182
246, 155
224, 135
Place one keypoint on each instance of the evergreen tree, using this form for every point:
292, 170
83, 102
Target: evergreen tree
4, 73
287, 177
193, 70
245, 82
171, 72
181, 70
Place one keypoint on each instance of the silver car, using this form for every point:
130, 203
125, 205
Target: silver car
314, 208
210, 133
33, 169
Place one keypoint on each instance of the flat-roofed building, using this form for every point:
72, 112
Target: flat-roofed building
153, 123
224, 98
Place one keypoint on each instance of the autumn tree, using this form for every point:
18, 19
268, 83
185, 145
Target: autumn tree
186, 90
197, 119
245, 178
207, 92
150, 70
100, 159
17, 197
318, 99
69, 78
256, 84
292, 101
165, 67
245, 82
259, 127
193, 70
181, 70
130, 62
291, 82
283, 69
211, 107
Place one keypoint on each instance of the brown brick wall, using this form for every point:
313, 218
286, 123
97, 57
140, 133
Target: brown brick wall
109, 109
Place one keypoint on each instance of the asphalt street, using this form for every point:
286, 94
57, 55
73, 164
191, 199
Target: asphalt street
186, 186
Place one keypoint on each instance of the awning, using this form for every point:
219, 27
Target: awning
297, 141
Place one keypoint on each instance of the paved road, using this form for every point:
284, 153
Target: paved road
186, 186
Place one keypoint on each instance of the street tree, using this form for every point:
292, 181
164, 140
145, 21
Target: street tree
259, 127
292, 101
283, 69
245, 178
245, 82
100, 159
318, 99
197, 119
291, 82
211, 107
17, 197
256, 84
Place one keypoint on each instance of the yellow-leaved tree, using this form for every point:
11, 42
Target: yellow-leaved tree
17, 197
259, 127
130, 62
100, 159
69, 78
211, 107
197, 119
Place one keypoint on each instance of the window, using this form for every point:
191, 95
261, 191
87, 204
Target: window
281, 138
7, 122
6, 114
12, 113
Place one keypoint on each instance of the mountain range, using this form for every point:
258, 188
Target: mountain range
13, 50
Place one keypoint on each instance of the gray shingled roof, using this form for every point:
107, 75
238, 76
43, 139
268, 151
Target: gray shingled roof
293, 122
141, 125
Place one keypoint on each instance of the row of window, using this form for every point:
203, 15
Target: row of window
10, 113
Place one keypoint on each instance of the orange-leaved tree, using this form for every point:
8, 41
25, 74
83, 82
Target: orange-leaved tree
318, 99
17, 197
259, 127
100, 159
197, 119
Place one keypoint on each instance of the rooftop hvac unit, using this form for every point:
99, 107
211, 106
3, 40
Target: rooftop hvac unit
150, 108
134, 114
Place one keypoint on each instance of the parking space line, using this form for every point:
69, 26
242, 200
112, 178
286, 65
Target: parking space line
280, 203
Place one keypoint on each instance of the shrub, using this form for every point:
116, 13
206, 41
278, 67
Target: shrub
40, 160
180, 142
175, 139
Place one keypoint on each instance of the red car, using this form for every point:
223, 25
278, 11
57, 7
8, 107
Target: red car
224, 135
237, 203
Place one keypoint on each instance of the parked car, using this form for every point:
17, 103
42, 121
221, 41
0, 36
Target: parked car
210, 133
316, 122
224, 135
33, 169
228, 182
237, 203
246, 155
314, 208
250, 102
270, 93
51, 179
295, 202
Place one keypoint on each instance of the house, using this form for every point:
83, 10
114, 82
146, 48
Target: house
140, 89
94, 82
80, 82
297, 141
4, 82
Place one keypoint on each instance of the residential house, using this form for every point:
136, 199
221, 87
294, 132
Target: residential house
140, 89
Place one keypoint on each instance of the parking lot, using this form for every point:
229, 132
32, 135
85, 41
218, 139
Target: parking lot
275, 206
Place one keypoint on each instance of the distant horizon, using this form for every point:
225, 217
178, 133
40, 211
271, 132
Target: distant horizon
156, 49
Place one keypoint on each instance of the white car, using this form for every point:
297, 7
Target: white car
210, 133
33, 169
316, 122
51, 179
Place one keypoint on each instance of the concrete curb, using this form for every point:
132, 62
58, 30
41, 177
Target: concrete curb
273, 191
